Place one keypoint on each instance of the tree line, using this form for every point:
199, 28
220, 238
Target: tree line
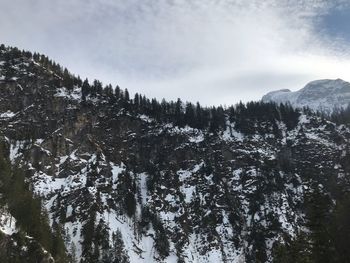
214, 119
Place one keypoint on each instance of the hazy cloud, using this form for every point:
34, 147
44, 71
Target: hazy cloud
207, 50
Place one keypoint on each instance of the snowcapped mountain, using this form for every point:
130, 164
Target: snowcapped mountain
320, 95
135, 180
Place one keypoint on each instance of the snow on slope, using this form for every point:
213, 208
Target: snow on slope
7, 222
206, 216
322, 95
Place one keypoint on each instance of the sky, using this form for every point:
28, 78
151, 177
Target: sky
211, 51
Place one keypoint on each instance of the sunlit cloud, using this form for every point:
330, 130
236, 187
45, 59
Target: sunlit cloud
216, 52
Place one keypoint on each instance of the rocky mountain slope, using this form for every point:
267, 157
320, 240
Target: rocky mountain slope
134, 180
321, 95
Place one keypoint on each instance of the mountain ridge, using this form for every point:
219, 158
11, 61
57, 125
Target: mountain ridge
135, 180
319, 95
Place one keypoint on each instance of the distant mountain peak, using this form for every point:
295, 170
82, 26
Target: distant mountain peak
322, 95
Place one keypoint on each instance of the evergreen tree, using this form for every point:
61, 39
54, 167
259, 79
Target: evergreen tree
126, 95
318, 215
119, 254
68, 80
85, 90
341, 229
190, 115
27, 209
58, 247
179, 113
9, 70
161, 240
88, 231
293, 251
136, 100
117, 92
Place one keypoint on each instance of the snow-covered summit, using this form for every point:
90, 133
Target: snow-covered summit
323, 95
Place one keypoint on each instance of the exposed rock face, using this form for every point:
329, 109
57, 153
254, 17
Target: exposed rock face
321, 95
125, 186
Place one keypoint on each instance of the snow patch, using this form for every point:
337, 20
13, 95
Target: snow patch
7, 115
7, 222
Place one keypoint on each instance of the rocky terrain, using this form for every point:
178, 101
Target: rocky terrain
135, 180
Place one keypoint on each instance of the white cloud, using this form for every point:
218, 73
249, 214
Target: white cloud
207, 50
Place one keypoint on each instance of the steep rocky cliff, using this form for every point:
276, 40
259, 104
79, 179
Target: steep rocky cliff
126, 184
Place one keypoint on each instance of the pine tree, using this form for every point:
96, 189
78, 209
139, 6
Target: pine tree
161, 240
136, 100
117, 92
31, 218
341, 229
85, 90
96, 88
9, 70
88, 230
68, 80
119, 254
58, 247
318, 215
126, 95
190, 115
297, 250
179, 113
